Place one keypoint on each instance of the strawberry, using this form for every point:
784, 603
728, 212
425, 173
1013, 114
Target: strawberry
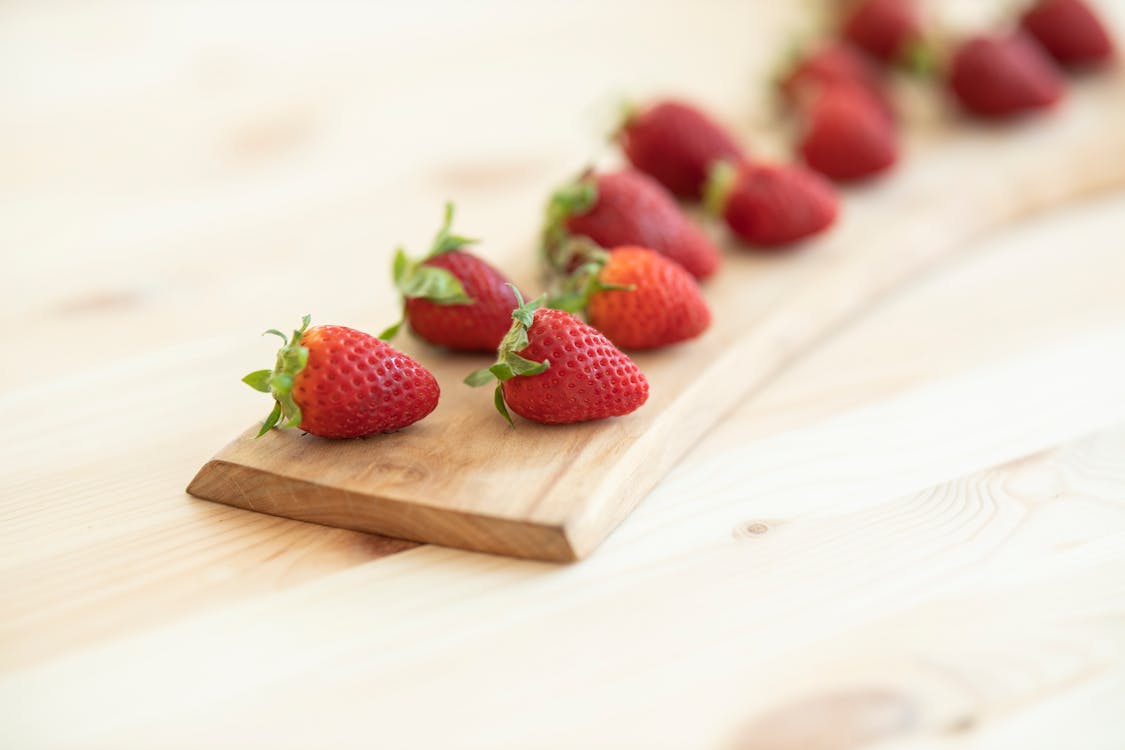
885, 29
638, 298
1004, 76
847, 136
452, 298
338, 382
554, 369
625, 208
831, 65
1070, 31
771, 205
676, 144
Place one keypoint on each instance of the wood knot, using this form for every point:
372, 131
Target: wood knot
751, 529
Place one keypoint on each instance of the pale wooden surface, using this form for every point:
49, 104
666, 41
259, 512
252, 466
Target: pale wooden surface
914, 538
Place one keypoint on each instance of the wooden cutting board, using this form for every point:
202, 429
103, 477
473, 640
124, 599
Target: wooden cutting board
464, 478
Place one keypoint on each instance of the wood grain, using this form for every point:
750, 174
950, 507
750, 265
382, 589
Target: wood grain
882, 538
462, 478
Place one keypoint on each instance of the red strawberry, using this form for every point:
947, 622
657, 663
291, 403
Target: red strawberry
885, 29
338, 382
555, 369
1070, 31
626, 208
452, 297
676, 144
834, 64
771, 205
638, 298
847, 136
1003, 76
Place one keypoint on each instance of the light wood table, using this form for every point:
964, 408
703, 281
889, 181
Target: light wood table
915, 538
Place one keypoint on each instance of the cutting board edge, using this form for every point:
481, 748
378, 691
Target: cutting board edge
223, 481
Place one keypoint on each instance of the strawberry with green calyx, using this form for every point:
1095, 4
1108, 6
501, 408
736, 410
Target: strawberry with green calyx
554, 369
771, 205
636, 297
452, 297
625, 207
337, 382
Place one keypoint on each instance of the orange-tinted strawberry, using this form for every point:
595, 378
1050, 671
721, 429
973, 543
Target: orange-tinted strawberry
554, 369
1004, 76
847, 137
1070, 31
636, 297
625, 208
771, 205
453, 298
337, 382
885, 29
676, 144
831, 65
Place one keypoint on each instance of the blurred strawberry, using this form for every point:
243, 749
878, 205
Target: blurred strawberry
847, 136
1070, 31
1004, 76
624, 208
885, 29
676, 144
828, 66
771, 205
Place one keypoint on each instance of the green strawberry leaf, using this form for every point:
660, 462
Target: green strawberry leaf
526, 367
498, 401
445, 241
502, 371
477, 378
391, 331
435, 284
271, 420
259, 380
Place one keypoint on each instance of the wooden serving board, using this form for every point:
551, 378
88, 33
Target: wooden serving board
464, 478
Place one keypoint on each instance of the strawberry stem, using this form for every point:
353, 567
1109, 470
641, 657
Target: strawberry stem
720, 181
574, 198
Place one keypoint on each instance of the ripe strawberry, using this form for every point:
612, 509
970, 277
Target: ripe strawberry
338, 382
625, 208
638, 298
554, 369
1070, 31
453, 298
676, 144
829, 66
1003, 76
885, 29
769, 205
847, 136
